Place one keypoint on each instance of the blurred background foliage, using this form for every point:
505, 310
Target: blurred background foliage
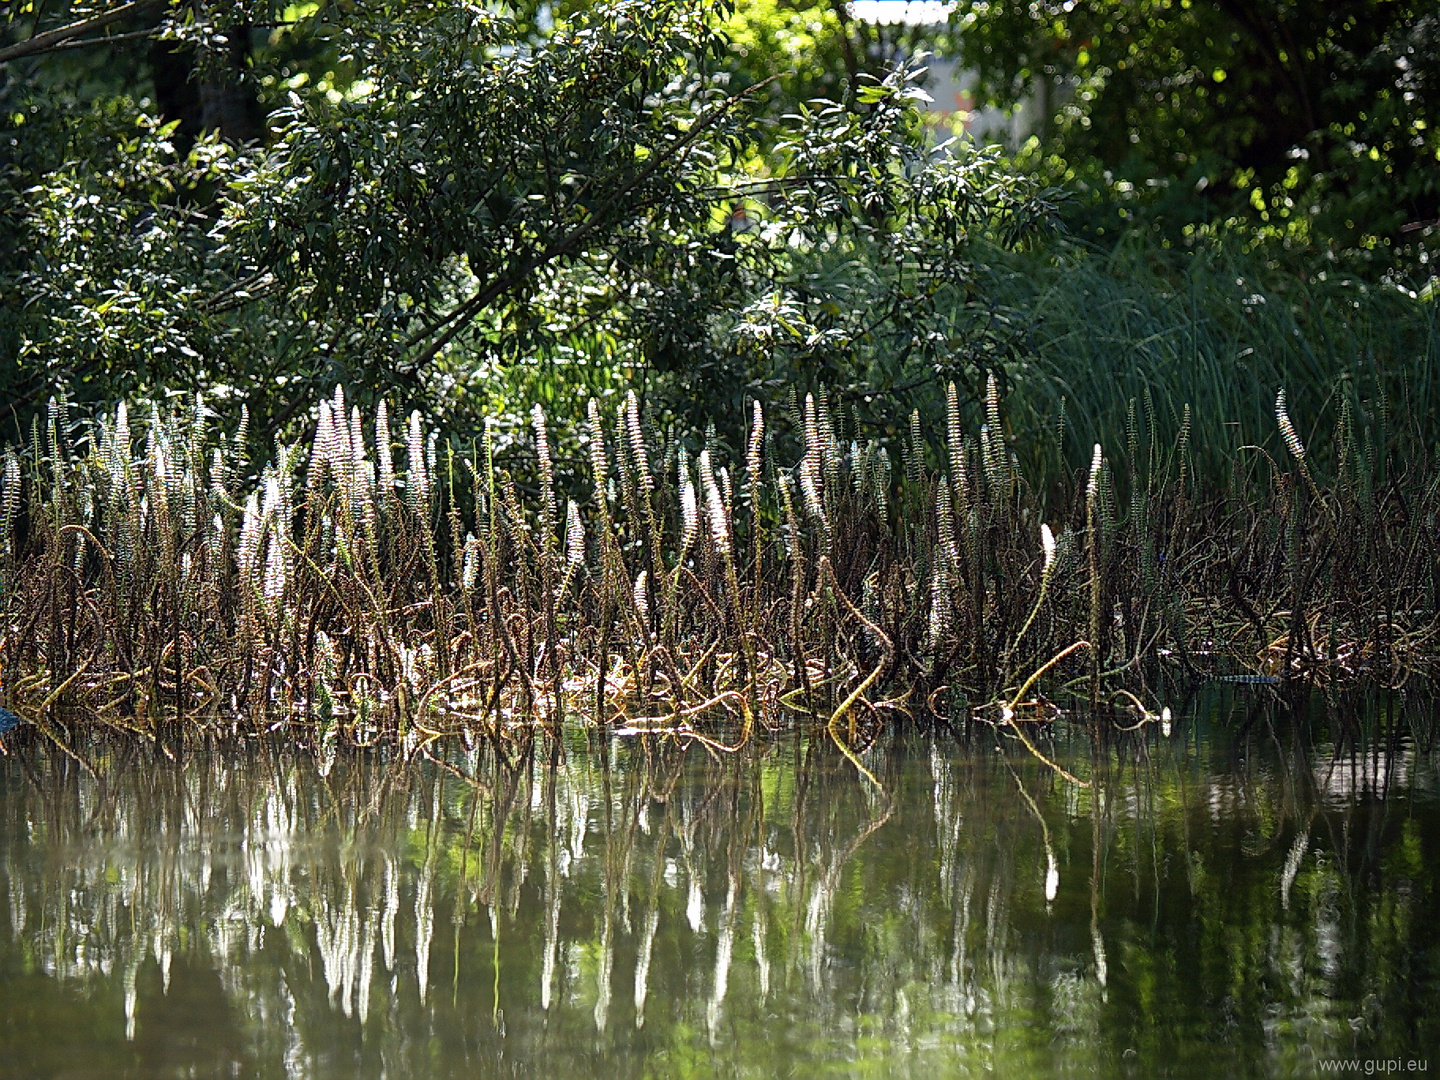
469, 208
1309, 120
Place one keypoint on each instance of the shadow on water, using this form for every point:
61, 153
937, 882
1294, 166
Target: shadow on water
1252, 894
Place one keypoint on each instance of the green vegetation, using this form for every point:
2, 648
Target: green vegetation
462, 193
1215, 329
614, 209
353, 597
604, 475
1309, 120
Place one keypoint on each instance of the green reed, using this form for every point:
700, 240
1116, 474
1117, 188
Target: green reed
1217, 329
376, 583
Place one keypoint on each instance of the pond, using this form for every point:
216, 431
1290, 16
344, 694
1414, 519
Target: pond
1253, 893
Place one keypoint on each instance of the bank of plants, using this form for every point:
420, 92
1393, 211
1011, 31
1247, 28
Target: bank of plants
377, 581
1217, 327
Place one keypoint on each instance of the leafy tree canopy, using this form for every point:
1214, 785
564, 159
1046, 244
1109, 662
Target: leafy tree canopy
443, 192
1316, 119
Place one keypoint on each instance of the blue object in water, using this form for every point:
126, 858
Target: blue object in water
8, 721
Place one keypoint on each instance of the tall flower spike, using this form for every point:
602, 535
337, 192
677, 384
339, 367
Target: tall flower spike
1047, 545
987, 458
199, 415
319, 447
642, 596
1184, 444
417, 483
574, 537
358, 474
599, 463
752, 452
689, 516
714, 505
323, 454
272, 494
829, 445
157, 488
812, 427
810, 488
992, 403
382, 449
470, 568
915, 457
274, 583
955, 439
998, 469
246, 549
121, 439
939, 605
155, 450
10, 504
945, 521
879, 467
547, 473
1287, 429
814, 452
58, 422
637, 442
242, 432
344, 460
1292, 439
792, 525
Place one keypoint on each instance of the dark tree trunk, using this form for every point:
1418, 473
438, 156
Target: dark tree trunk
208, 96
227, 104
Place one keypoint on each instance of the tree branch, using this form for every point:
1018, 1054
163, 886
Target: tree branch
567, 243
51, 39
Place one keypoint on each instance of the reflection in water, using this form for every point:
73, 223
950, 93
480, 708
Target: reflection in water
1244, 900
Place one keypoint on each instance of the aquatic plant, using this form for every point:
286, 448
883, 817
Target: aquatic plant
154, 581
1216, 328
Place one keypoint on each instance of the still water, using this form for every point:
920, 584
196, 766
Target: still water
1253, 894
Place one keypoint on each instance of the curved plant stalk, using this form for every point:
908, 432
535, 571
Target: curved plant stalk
1047, 546
833, 727
1092, 543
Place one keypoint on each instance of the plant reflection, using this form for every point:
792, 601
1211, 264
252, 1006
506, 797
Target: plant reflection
1251, 902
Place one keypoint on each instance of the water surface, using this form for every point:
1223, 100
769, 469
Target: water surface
1253, 894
